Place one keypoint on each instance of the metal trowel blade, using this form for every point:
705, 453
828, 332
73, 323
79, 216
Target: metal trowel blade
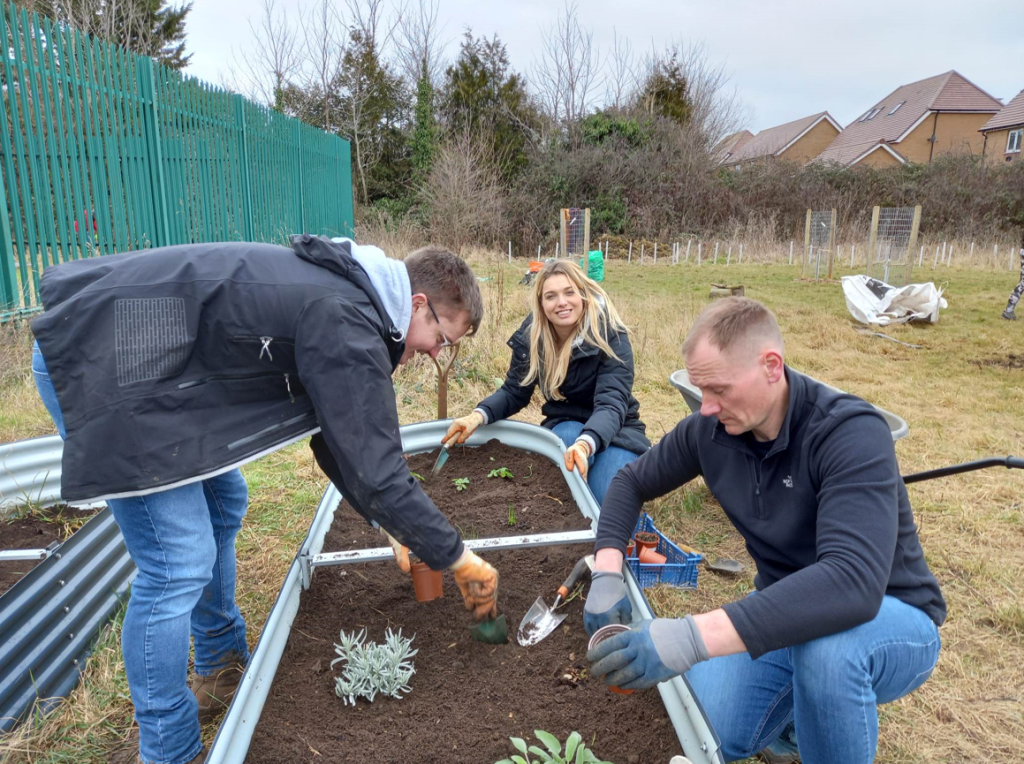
441, 459
538, 622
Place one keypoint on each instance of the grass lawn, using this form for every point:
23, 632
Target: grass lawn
961, 395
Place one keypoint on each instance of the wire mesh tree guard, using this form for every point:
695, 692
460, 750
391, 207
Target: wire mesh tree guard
819, 243
893, 239
575, 231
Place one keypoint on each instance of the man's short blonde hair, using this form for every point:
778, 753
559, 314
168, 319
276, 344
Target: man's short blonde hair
731, 322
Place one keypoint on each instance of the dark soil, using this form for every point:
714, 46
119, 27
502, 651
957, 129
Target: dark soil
467, 698
35, 531
1012, 361
539, 495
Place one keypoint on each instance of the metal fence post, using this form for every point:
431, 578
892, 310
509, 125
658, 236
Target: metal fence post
156, 156
8, 280
302, 185
246, 185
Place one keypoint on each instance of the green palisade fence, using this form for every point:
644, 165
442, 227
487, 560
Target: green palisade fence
105, 151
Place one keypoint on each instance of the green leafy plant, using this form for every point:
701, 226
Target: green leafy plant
511, 515
416, 475
461, 484
372, 668
501, 472
575, 751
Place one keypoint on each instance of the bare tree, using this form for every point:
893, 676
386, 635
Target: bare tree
462, 182
324, 42
568, 74
418, 43
267, 67
714, 104
621, 80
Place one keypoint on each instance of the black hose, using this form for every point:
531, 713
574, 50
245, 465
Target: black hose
1010, 462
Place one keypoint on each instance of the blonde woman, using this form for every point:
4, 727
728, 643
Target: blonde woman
575, 348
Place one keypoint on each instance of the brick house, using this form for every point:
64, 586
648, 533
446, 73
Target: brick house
798, 141
1004, 133
916, 123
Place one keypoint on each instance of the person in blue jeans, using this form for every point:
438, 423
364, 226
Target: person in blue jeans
182, 541
575, 348
846, 614
167, 370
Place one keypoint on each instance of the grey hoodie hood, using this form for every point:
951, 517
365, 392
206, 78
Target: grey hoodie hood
390, 279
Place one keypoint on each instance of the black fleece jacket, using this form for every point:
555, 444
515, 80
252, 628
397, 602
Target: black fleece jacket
826, 518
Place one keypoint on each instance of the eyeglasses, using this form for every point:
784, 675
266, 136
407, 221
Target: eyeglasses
444, 342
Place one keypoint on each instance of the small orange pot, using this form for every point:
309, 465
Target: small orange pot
426, 583
631, 549
600, 636
650, 556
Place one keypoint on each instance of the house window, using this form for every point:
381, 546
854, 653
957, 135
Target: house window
895, 108
870, 115
1013, 141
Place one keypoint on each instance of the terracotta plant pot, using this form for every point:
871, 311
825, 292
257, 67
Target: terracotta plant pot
600, 636
631, 549
650, 556
426, 582
646, 540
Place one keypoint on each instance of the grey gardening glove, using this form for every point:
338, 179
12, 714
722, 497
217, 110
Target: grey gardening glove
652, 651
607, 601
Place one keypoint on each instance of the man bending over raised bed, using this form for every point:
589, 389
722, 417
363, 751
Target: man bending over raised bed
166, 370
846, 611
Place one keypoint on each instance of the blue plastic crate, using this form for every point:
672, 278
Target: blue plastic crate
680, 569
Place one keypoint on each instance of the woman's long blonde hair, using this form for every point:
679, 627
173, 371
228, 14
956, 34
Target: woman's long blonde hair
549, 359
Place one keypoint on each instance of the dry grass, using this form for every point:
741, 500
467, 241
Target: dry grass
959, 402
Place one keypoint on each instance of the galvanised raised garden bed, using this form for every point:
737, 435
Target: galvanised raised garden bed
50, 618
335, 583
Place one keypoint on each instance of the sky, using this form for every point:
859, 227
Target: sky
786, 58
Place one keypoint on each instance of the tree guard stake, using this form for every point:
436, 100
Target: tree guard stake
442, 381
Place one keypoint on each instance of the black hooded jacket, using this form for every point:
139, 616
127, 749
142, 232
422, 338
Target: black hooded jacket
598, 392
176, 364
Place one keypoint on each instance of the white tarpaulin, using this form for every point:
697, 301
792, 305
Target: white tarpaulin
871, 301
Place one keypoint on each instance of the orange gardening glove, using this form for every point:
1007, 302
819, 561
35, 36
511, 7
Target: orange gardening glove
478, 582
576, 455
401, 552
462, 428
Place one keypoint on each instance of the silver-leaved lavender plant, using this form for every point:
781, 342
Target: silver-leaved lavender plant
372, 668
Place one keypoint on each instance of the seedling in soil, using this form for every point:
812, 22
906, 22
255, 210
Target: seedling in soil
416, 475
461, 484
511, 515
372, 668
501, 472
576, 752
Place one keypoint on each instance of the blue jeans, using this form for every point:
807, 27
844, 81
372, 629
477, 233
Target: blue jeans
603, 466
830, 687
183, 542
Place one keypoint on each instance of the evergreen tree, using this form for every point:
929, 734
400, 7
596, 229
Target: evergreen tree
424, 136
665, 92
483, 96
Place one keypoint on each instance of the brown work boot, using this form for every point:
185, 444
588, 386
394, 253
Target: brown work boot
214, 692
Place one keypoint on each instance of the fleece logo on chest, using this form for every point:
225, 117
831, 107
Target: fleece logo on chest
788, 481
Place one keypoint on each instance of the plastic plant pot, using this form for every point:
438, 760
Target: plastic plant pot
426, 583
600, 636
650, 556
646, 539
631, 549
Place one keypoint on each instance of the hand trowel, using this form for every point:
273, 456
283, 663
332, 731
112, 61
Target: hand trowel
540, 620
